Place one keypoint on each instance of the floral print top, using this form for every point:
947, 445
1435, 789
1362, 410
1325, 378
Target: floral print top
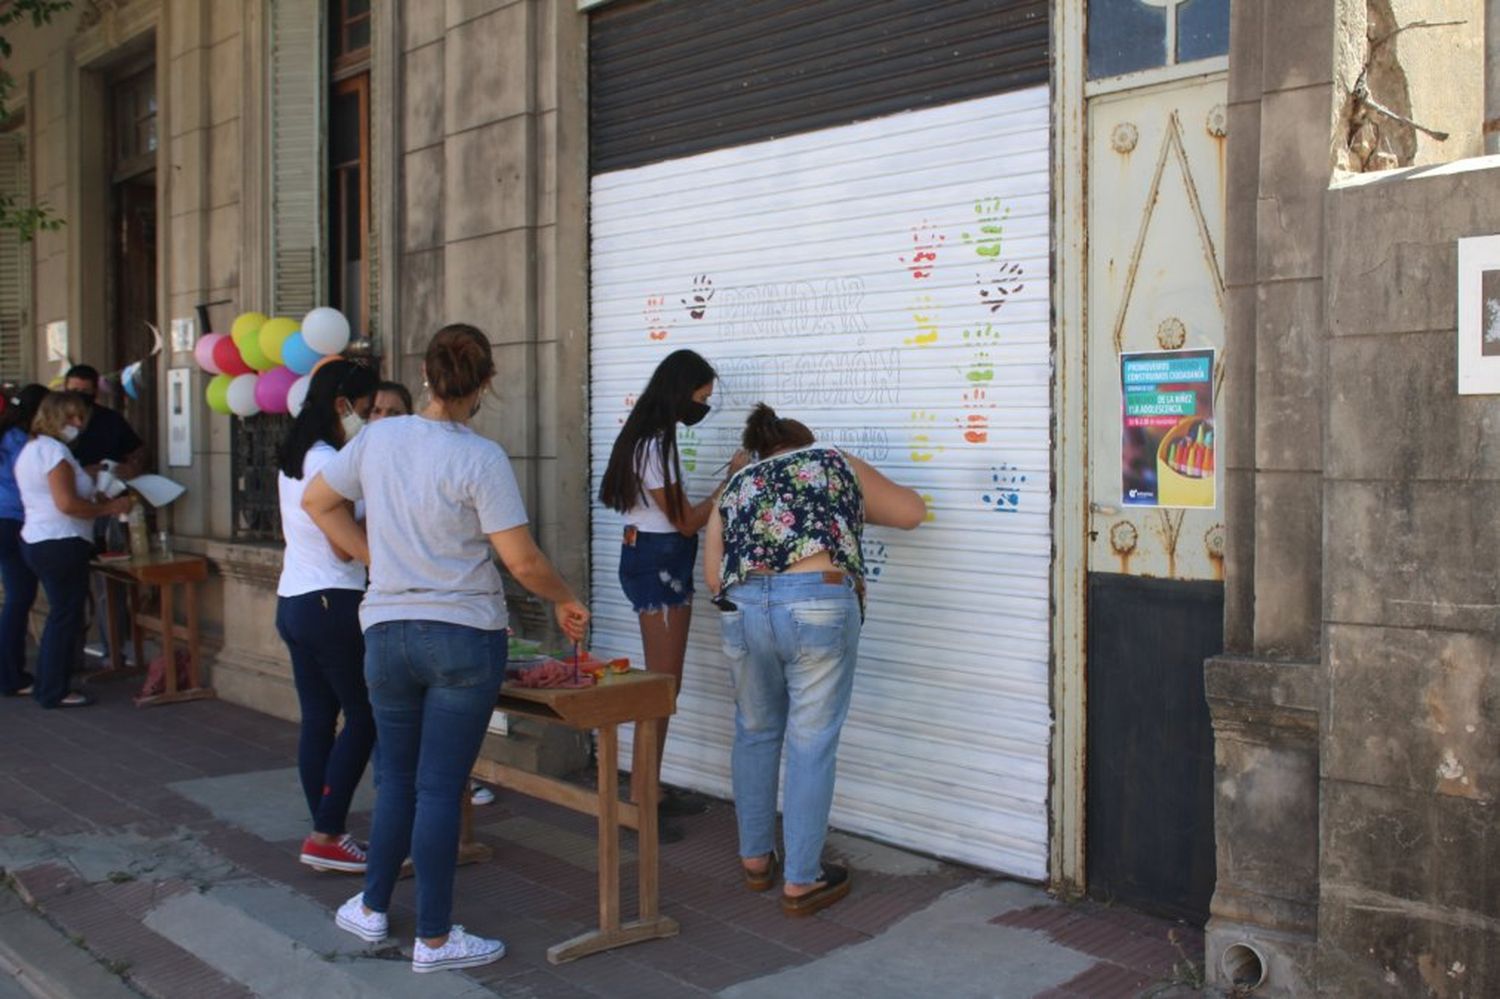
781, 510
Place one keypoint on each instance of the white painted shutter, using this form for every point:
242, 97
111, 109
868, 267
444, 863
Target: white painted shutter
887, 284
297, 170
14, 258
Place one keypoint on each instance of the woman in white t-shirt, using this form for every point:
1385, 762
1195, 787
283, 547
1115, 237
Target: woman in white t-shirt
644, 482
57, 496
317, 616
442, 501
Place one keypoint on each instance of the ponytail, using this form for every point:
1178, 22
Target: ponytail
766, 433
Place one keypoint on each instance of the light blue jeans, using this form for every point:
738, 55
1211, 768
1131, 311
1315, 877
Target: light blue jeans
791, 646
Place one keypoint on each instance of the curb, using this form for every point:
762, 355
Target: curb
45, 963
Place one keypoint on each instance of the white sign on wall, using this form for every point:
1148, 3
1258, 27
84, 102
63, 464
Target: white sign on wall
180, 417
887, 284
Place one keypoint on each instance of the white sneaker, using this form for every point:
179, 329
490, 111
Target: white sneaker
367, 926
480, 795
461, 951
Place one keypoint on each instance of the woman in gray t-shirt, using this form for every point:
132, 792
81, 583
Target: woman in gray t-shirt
439, 498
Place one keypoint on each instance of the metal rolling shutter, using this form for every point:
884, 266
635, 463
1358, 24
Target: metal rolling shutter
887, 283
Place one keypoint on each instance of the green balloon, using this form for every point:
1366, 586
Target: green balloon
217, 393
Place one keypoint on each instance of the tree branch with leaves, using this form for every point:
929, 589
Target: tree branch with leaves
23, 216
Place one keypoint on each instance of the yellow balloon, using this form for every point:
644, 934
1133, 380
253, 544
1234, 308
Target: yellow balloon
246, 324
272, 335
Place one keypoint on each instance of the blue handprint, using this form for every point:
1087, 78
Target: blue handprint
1006, 497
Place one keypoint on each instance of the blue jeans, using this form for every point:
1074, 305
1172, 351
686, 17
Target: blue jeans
63, 568
433, 686
791, 646
20, 593
321, 631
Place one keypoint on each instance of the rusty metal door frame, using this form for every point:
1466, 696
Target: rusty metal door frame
1070, 444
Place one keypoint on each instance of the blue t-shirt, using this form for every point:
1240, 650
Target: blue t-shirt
10, 494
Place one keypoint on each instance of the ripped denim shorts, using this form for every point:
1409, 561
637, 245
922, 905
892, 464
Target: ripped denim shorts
656, 569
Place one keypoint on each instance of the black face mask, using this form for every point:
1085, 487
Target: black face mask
694, 412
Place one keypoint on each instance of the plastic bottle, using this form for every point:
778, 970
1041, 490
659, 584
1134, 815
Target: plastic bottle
140, 544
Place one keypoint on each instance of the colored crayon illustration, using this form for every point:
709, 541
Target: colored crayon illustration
1169, 451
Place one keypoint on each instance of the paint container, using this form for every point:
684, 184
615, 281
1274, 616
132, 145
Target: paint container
1185, 465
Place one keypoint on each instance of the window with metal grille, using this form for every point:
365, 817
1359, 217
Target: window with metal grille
257, 510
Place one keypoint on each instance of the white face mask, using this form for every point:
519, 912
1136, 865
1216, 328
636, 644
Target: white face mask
69, 433
352, 423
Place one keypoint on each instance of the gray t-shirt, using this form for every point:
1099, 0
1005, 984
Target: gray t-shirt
433, 491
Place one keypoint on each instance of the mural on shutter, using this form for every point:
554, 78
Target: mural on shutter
887, 283
296, 156
14, 257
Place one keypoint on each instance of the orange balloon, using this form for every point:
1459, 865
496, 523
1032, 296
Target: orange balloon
323, 361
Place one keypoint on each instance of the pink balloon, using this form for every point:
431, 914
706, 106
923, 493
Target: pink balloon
272, 387
203, 352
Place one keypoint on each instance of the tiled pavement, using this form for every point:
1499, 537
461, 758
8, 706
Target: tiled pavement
93, 832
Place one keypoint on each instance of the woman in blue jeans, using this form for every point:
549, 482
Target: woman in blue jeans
57, 539
784, 564
440, 500
15, 575
317, 616
644, 483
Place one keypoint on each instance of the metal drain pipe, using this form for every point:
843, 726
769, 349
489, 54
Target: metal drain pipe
1491, 76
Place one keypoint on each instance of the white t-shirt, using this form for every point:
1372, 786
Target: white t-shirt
44, 521
646, 515
309, 563
433, 491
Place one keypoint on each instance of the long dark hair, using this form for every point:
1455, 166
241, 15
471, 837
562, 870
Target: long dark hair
654, 417
319, 418
20, 408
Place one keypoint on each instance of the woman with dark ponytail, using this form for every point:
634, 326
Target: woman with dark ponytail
784, 564
15, 575
317, 616
644, 482
442, 501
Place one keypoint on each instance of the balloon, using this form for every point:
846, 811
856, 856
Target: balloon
217, 393
241, 395
254, 357
297, 394
246, 324
297, 355
271, 389
325, 330
228, 360
203, 351
272, 335
325, 360
130, 380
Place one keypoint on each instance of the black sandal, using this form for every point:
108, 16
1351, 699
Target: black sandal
762, 880
836, 883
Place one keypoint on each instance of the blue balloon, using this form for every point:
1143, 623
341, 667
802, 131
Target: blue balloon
297, 355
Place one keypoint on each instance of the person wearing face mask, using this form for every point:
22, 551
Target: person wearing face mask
644, 482
317, 616
442, 501
57, 497
391, 399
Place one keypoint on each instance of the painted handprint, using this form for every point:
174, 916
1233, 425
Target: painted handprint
656, 328
924, 315
687, 448
979, 369
990, 215
923, 256
629, 405
924, 425
875, 559
1006, 497
703, 293
998, 288
931, 512
975, 426
983, 336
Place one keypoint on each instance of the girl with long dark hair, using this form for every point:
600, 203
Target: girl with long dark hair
644, 482
15, 575
317, 616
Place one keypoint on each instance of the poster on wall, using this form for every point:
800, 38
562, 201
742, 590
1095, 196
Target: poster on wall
1479, 315
1168, 448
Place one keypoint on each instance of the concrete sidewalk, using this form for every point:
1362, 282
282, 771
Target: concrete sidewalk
158, 849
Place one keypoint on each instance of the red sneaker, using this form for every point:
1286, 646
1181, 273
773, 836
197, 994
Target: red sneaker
344, 855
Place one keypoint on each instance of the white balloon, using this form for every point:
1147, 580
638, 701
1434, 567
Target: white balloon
242, 395
297, 394
325, 330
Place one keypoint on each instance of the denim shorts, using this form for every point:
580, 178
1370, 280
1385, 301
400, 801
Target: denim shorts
656, 569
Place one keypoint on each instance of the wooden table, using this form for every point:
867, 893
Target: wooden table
639, 697
165, 572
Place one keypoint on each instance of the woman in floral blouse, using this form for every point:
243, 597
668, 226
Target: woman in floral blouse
784, 564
